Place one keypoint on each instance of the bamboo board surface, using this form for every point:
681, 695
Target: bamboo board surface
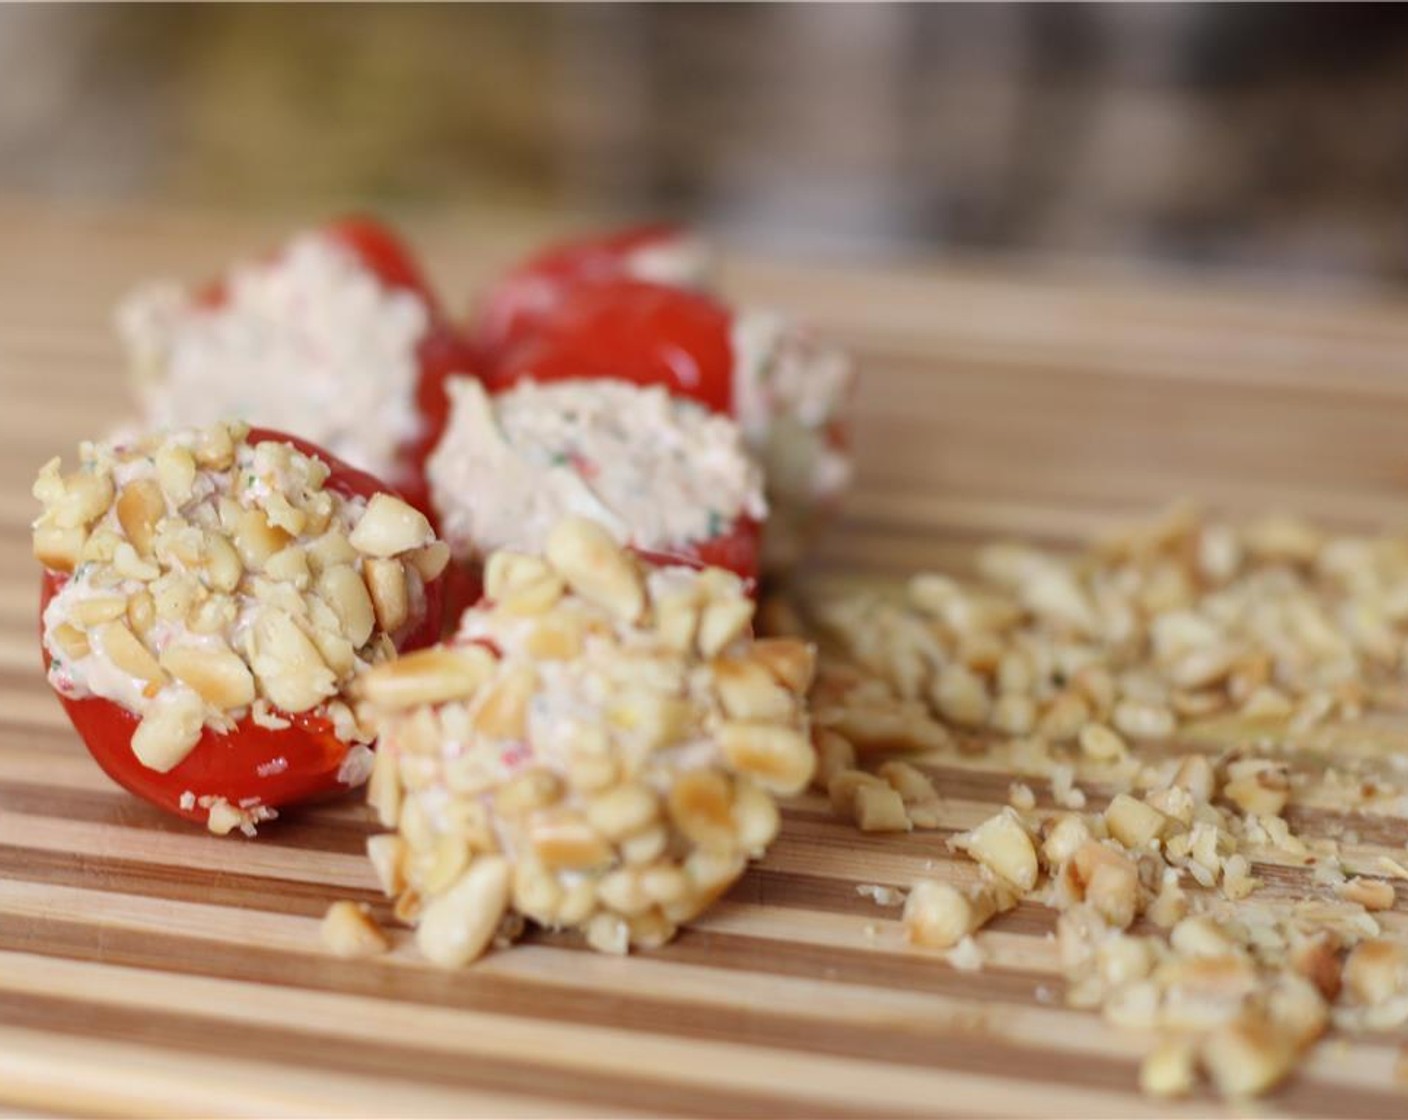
149, 969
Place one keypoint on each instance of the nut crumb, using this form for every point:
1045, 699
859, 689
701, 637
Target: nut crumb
1167, 1070
881, 895
222, 818
1372, 894
1247, 1058
1392, 867
966, 956
1002, 845
1080, 671
941, 916
350, 931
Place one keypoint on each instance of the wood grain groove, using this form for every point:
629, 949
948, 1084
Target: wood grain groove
272, 1046
955, 1034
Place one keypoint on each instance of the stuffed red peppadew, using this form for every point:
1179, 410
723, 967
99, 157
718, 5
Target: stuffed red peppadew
788, 391
208, 595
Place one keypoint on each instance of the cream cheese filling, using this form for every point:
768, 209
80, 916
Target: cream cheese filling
311, 343
788, 389
658, 472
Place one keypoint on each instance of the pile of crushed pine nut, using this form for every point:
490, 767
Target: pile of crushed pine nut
1121, 669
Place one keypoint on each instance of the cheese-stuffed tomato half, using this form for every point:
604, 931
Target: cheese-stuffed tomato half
667, 478
531, 292
209, 595
788, 390
614, 734
336, 335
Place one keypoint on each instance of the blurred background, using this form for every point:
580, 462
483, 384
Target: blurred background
1259, 137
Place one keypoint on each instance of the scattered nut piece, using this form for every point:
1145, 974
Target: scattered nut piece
1100, 743
1167, 1070
1372, 894
878, 808
1247, 1058
1134, 823
1376, 971
909, 782
349, 931
1003, 846
1273, 626
940, 915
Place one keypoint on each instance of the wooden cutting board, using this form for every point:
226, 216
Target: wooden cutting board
150, 969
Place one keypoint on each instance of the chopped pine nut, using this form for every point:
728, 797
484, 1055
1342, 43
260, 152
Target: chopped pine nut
1100, 743
938, 915
1247, 1058
1372, 894
1133, 823
349, 931
1003, 846
1167, 1070
879, 808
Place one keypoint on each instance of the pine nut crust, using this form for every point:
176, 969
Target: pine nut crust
604, 786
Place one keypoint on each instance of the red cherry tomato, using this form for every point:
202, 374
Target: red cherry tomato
441, 352
278, 767
534, 289
633, 331
736, 549
464, 587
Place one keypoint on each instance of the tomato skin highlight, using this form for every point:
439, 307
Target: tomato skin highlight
532, 291
647, 334
278, 767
